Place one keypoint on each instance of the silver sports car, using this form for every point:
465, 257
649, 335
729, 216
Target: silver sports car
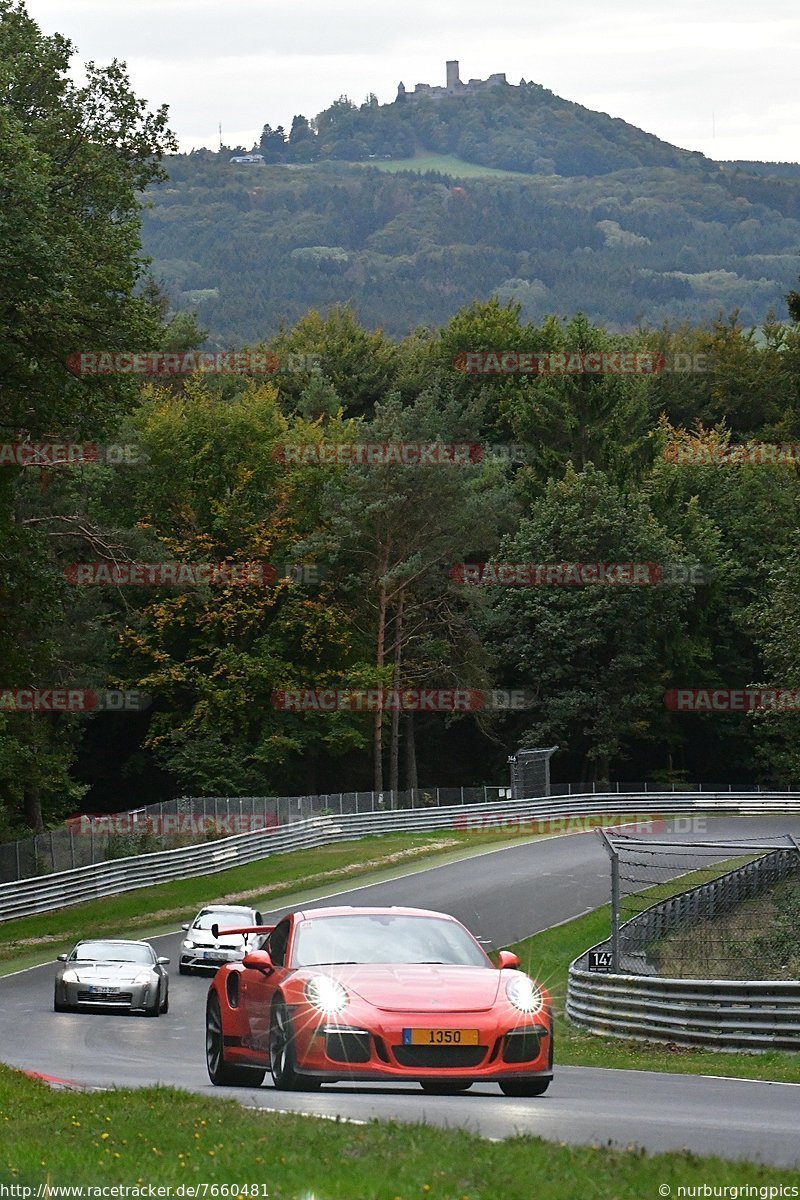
112, 974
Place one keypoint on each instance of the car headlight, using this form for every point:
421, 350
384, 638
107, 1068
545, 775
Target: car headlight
144, 977
524, 994
69, 977
187, 945
326, 994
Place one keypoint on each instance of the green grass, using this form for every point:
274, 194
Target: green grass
162, 1136
446, 164
547, 957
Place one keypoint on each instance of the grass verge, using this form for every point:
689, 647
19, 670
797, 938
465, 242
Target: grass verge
758, 939
446, 164
547, 957
167, 1137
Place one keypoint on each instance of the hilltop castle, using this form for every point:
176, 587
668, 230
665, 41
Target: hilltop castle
453, 87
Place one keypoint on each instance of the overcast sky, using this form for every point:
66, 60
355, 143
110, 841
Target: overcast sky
719, 76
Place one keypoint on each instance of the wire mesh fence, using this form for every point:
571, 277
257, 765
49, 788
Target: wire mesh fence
189, 820
727, 909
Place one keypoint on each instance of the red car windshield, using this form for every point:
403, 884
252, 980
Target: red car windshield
384, 938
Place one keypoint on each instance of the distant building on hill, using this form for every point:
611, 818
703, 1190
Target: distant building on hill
453, 87
251, 159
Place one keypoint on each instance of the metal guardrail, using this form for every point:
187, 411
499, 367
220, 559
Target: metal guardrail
723, 1013
730, 1014
189, 820
552, 814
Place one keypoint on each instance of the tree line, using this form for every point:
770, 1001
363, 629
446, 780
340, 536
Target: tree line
366, 591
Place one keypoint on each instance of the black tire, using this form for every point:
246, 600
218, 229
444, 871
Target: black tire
220, 1073
282, 1065
525, 1087
59, 1007
447, 1087
165, 1005
154, 1009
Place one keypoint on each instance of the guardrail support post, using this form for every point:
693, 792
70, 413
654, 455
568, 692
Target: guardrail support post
614, 856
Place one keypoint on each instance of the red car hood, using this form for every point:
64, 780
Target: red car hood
409, 987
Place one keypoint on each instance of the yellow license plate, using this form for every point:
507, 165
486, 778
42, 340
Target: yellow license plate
440, 1037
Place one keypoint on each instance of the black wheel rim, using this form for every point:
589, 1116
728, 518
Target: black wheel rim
213, 1039
278, 1044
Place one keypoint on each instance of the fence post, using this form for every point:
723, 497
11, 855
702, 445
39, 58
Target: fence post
16, 855
614, 900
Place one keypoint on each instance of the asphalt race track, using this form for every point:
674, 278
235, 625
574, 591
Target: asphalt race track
503, 895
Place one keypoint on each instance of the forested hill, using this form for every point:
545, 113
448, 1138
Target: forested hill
524, 128
250, 247
408, 211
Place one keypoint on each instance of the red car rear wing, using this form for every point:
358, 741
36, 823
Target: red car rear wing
216, 931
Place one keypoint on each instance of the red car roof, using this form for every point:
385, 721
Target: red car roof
348, 910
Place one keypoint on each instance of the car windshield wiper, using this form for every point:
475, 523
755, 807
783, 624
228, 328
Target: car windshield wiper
336, 962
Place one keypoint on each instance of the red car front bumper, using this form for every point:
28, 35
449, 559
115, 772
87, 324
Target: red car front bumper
339, 1048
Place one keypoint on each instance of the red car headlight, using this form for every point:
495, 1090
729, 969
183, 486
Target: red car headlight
326, 994
524, 994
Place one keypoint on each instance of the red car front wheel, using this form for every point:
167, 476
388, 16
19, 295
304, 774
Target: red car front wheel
282, 1062
525, 1087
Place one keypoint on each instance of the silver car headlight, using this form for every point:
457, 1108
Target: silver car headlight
326, 994
187, 945
69, 976
144, 977
524, 994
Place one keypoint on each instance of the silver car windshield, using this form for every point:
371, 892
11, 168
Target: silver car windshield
109, 952
384, 938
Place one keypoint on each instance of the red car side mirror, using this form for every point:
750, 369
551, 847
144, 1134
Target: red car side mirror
258, 960
507, 958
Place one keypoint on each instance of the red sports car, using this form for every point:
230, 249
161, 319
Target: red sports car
377, 994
